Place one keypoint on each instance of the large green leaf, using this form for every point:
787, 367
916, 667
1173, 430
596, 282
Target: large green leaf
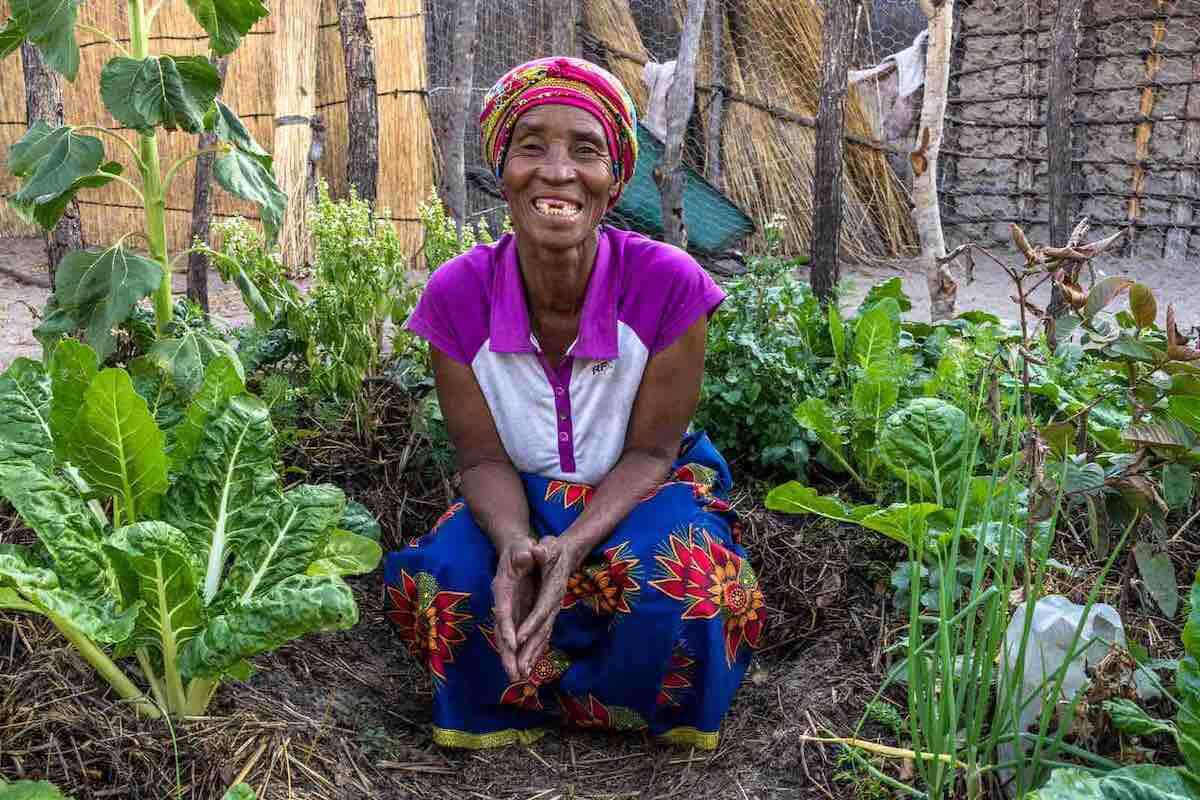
52, 162
99, 288
73, 367
63, 524
228, 490
1187, 720
295, 536
347, 553
223, 379
292, 608
186, 358
50, 24
924, 443
796, 498
1178, 486
892, 288
245, 176
876, 336
239, 792
98, 618
227, 21
158, 568
1186, 409
48, 212
837, 334
118, 447
175, 92
25, 414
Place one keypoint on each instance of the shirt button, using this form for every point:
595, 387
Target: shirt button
558, 390
562, 437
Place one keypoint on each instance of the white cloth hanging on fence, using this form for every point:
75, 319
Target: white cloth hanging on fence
658, 79
909, 64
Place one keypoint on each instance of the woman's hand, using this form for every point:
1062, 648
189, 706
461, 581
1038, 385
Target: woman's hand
556, 561
513, 591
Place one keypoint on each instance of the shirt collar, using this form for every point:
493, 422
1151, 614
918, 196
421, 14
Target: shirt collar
510, 330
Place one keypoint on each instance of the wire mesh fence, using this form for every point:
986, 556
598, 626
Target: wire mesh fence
1134, 131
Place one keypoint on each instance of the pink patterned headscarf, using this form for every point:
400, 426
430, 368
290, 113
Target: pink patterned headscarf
565, 81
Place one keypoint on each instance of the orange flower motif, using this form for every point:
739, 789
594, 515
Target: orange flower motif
572, 493
454, 508
712, 580
677, 679
697, 473
546, 670
428, 620
605, 588
591, 713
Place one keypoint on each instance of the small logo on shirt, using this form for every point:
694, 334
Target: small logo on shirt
601, 367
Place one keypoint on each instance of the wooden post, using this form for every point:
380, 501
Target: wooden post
1144, 130
44, 101
829, 149
362, 101
1187, 182
1031, 17
197, 274
716, 106
563, 35
454, 181
669, 173
1060, 109
943, 289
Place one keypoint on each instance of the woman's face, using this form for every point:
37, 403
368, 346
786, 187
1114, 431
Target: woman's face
558, 176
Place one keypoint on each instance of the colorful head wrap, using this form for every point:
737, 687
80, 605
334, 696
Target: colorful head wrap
566, 81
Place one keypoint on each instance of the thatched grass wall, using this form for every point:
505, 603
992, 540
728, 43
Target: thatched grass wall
406, 158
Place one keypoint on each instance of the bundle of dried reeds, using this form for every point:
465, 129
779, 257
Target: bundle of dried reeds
612, 22
295, 48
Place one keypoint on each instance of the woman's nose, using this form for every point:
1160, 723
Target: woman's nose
557, 167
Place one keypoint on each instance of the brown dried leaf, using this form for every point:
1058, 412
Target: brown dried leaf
919, 160
1093, 249
1023, 244
1177, 346
1104, 292
1072, 292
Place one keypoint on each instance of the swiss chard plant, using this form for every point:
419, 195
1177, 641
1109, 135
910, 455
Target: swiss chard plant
148, 93
176, 546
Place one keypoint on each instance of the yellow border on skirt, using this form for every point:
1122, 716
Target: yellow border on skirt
692, 737
481, 741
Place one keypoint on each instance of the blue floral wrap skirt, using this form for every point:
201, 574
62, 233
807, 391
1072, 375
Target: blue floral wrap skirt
655, 633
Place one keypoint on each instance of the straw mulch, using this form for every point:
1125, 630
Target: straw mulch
774, 57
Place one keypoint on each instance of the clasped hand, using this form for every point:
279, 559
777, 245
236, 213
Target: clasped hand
531, 580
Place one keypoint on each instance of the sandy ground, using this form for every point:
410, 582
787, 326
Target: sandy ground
24, 287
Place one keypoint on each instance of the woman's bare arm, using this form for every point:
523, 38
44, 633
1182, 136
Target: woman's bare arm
494, 494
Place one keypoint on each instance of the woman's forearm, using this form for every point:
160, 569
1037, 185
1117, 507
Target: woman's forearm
636, 473
496, 498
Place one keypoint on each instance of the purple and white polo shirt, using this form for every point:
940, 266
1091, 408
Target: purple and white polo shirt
565, 423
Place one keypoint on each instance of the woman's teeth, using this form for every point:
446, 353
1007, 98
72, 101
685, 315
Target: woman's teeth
556, 208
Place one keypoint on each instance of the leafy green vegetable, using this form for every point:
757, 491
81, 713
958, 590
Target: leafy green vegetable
205, 573
925, 443
186, 358
51, 161
245, 176
1158, 573
118, 447
876, 336
30, 790
358, 519
1140, 782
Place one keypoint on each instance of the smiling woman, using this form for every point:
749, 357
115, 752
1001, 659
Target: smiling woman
590, 573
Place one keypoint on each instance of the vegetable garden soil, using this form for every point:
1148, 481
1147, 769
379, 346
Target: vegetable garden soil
24, 288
